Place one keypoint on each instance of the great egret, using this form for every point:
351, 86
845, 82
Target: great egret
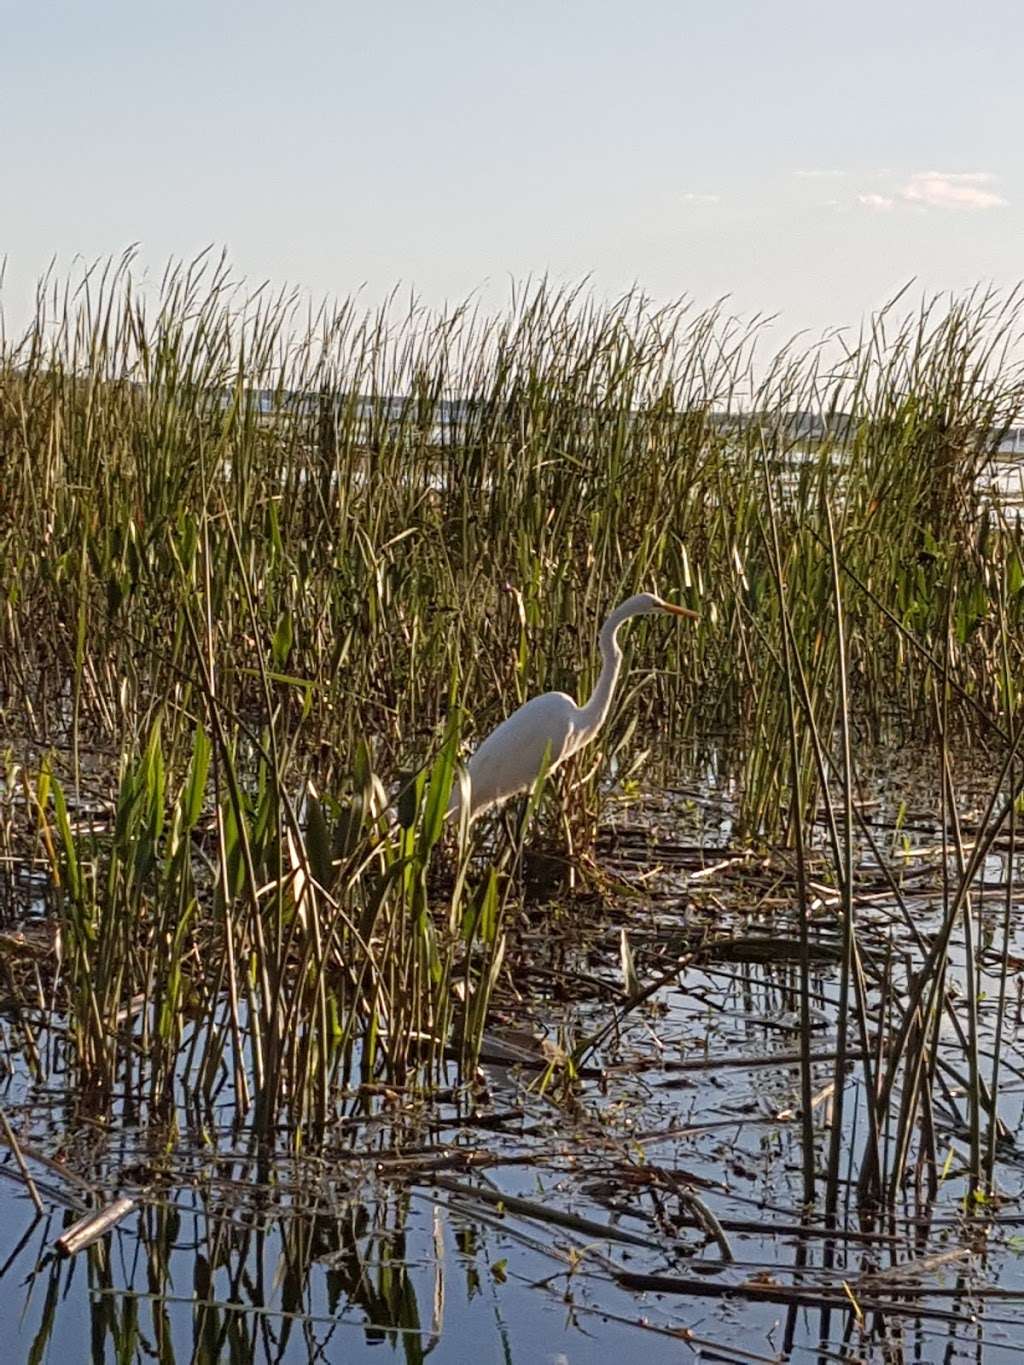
510, 759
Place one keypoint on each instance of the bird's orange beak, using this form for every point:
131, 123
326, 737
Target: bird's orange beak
681, 611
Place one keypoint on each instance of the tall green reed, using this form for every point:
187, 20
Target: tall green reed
250, 551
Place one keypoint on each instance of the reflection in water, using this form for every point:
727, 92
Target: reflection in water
215, 1275
510, 1224
207, 1278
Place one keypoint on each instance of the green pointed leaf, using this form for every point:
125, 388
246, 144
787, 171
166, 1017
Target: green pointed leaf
281, 646
196, 787
318, 843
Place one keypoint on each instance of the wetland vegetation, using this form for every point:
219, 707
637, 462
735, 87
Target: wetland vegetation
715, 1041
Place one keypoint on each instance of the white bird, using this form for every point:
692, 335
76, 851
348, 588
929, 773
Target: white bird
512, 756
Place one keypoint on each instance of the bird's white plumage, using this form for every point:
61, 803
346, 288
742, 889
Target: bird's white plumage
512, 756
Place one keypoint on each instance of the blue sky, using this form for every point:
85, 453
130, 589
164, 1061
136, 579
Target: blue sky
803, 158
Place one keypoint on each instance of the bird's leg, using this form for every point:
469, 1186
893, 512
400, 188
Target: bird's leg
509, 826
515, 831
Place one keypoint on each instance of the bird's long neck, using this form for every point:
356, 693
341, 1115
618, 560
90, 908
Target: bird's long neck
593, 713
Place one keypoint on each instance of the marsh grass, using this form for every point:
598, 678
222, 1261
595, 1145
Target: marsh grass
254, 564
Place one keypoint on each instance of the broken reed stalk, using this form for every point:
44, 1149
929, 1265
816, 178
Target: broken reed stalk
93, 1226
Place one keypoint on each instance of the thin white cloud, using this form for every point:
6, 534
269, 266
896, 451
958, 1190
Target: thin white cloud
701, 198
819, 175
968, 177
940, 190
953, 190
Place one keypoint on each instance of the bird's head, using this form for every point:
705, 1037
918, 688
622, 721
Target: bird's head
648, 603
